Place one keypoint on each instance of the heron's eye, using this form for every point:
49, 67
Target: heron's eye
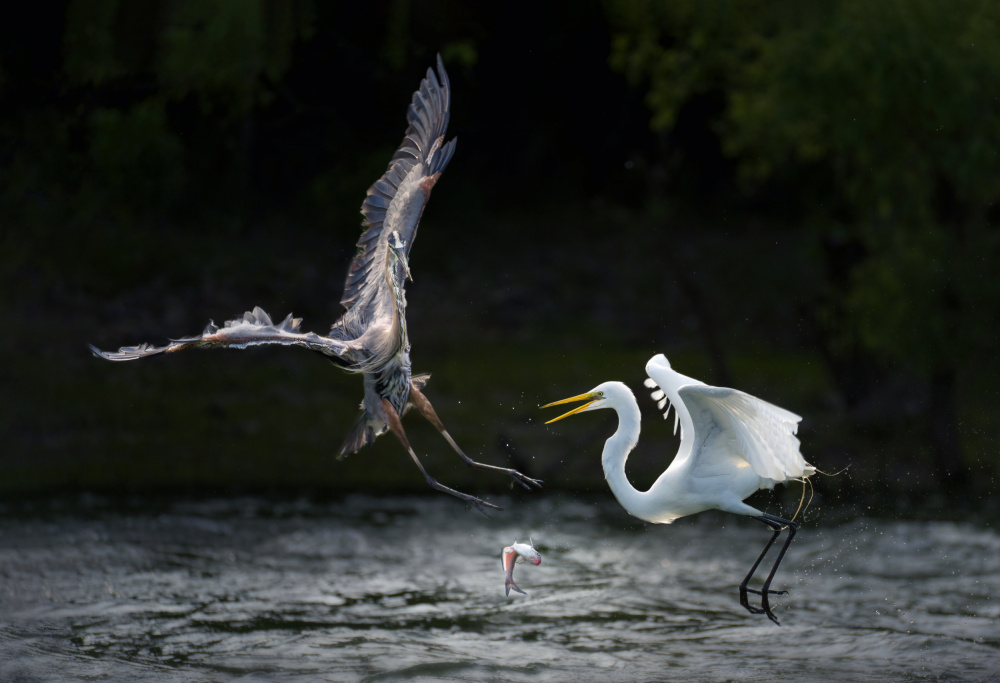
600, 394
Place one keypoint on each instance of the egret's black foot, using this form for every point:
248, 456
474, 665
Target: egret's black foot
770, 615
777, 525
769, 592
746, 602
765, 607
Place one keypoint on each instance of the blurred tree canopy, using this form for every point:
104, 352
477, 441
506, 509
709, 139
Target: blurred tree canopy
738, 180
227, 56
879, 122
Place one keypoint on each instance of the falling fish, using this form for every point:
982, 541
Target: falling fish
513, 554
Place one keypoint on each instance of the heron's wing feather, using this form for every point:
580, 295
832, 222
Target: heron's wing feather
396, 200
760, 432
255, 328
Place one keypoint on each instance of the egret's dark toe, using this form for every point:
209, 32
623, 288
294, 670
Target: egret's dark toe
769, 592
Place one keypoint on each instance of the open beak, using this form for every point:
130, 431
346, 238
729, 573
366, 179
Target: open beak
589, 397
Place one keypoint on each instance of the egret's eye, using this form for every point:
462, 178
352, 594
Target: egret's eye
600, 394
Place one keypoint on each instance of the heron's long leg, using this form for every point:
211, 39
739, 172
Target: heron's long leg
777, 524
397, 428
427, 410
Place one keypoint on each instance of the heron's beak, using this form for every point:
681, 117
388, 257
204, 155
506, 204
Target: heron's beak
399, 248
406, 264
589, 397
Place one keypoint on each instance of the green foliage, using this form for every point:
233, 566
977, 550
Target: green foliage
881, 116
684, 48
221, 47
898, 93
222, 50
394, 47
89, 42
136, 160
462, 52
136, 60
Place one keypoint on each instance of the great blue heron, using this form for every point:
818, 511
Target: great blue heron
370, 337
732, 444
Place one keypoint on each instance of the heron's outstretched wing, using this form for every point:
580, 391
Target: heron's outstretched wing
396, 200
253, 329
760, 432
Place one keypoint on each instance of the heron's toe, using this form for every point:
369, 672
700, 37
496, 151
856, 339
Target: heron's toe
480, 505
526, 481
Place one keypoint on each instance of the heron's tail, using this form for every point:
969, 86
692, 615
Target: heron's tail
361, 435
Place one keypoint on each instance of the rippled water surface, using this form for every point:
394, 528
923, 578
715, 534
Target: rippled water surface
411, 589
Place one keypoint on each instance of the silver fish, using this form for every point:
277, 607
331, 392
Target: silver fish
514, 554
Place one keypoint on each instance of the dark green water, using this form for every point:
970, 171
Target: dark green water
412, 589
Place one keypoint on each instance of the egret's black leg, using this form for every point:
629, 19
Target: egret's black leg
744, 600
777, 524
427, 410
765, 590
397, 428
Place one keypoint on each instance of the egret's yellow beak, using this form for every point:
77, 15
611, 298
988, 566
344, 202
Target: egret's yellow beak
589, 397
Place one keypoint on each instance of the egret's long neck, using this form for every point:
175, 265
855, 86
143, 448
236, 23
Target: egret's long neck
616, 451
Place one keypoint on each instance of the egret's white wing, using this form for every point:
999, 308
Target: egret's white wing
760, 432
255, 328
396, 200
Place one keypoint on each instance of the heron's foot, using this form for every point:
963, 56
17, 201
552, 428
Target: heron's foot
524, 480
470, 501
479, 504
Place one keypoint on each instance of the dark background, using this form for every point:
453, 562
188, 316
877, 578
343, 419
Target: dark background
798, 202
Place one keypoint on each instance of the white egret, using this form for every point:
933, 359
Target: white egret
732, 444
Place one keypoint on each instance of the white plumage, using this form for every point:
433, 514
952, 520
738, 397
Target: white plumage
729, 422
732, 444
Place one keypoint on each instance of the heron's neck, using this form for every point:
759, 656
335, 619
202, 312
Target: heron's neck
398, 305
616, 452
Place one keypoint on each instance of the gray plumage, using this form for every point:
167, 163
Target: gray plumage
370, 337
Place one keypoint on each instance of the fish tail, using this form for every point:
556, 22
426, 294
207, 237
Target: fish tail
508, 584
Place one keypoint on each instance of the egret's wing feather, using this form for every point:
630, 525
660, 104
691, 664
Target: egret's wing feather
760, 432
396, 200
254, 328
667, 382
